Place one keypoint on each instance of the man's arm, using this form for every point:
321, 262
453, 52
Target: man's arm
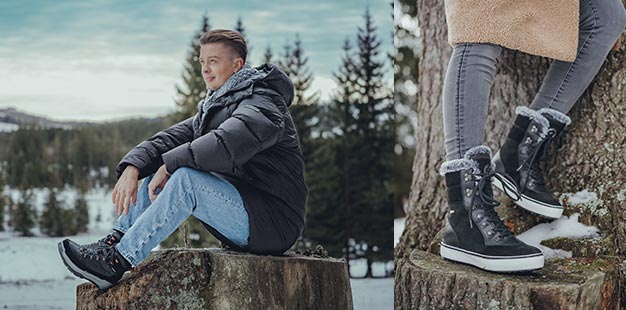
147, 155
254, 126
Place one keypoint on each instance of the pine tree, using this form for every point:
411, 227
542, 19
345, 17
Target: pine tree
267, 56
301, 75
9, 206
304, 108
3, 201
285, 60
330, 167
23, 214
194, 88
325, 219
99, 216
2, 207
376, 135
52, 218
343, 124
81, 210
239, 27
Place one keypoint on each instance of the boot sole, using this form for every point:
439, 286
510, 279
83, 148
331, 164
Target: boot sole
81, 273
515, 263
530, 204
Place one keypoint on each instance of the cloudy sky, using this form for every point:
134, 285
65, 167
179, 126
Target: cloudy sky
102, 60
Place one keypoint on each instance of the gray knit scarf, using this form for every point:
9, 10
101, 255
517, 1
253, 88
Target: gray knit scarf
238, 77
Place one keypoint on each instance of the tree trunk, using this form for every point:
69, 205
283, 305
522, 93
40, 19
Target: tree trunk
217, 279
592, 156
428, 282
368, 274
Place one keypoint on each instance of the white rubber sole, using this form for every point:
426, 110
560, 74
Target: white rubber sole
529, 203
100, 283
514, 263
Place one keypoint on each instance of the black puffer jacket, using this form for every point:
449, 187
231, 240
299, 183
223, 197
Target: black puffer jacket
248, 137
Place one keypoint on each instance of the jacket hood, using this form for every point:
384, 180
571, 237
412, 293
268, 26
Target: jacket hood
269, 76
277, 80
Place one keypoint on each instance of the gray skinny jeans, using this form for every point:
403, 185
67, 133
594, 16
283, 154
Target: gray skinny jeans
472, 65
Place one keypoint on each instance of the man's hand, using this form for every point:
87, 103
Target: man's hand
125, 189
158, 182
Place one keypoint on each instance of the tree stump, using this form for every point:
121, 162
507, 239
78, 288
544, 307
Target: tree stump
218, 279
426, 281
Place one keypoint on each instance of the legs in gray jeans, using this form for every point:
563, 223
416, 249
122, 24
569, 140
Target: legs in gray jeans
472, 66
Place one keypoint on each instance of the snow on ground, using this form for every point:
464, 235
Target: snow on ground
98, 202
54, 294
581, 197
358, 268
8, 127
567, 227
32, 275
372, 294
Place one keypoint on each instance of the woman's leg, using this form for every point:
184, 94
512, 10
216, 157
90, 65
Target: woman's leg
474, 233
465, 95
188, 192
601, 23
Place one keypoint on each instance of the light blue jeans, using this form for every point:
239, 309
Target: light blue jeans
471, 70
206, 196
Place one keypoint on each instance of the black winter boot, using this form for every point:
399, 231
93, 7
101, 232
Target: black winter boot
520, 157
109, 240
103, 266
474, 233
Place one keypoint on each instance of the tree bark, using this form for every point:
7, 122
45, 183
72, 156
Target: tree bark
217, 279
427, 282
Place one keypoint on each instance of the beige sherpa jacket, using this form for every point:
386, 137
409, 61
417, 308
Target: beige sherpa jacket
546, 28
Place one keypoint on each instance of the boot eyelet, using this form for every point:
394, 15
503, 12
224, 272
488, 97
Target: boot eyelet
479, 216
484, 224
529, 140
489, 233
533, 129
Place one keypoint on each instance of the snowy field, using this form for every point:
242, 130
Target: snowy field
32, 275
8, 127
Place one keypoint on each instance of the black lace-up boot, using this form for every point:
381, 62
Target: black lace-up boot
521, 155
103, 266
109, 240
474, 233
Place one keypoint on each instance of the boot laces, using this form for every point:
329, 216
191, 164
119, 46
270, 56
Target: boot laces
532, 163
105, 254
107, 241
488, 203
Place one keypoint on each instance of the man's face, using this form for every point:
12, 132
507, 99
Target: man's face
218, 64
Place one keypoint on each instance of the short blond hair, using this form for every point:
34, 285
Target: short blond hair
231, 39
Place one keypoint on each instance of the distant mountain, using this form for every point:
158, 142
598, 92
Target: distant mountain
11, 119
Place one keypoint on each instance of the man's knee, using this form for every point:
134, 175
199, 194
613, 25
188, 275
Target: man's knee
186, 173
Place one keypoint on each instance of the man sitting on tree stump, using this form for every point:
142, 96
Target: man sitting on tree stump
236, 166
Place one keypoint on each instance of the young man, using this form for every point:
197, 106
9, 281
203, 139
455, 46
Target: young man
236, 166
